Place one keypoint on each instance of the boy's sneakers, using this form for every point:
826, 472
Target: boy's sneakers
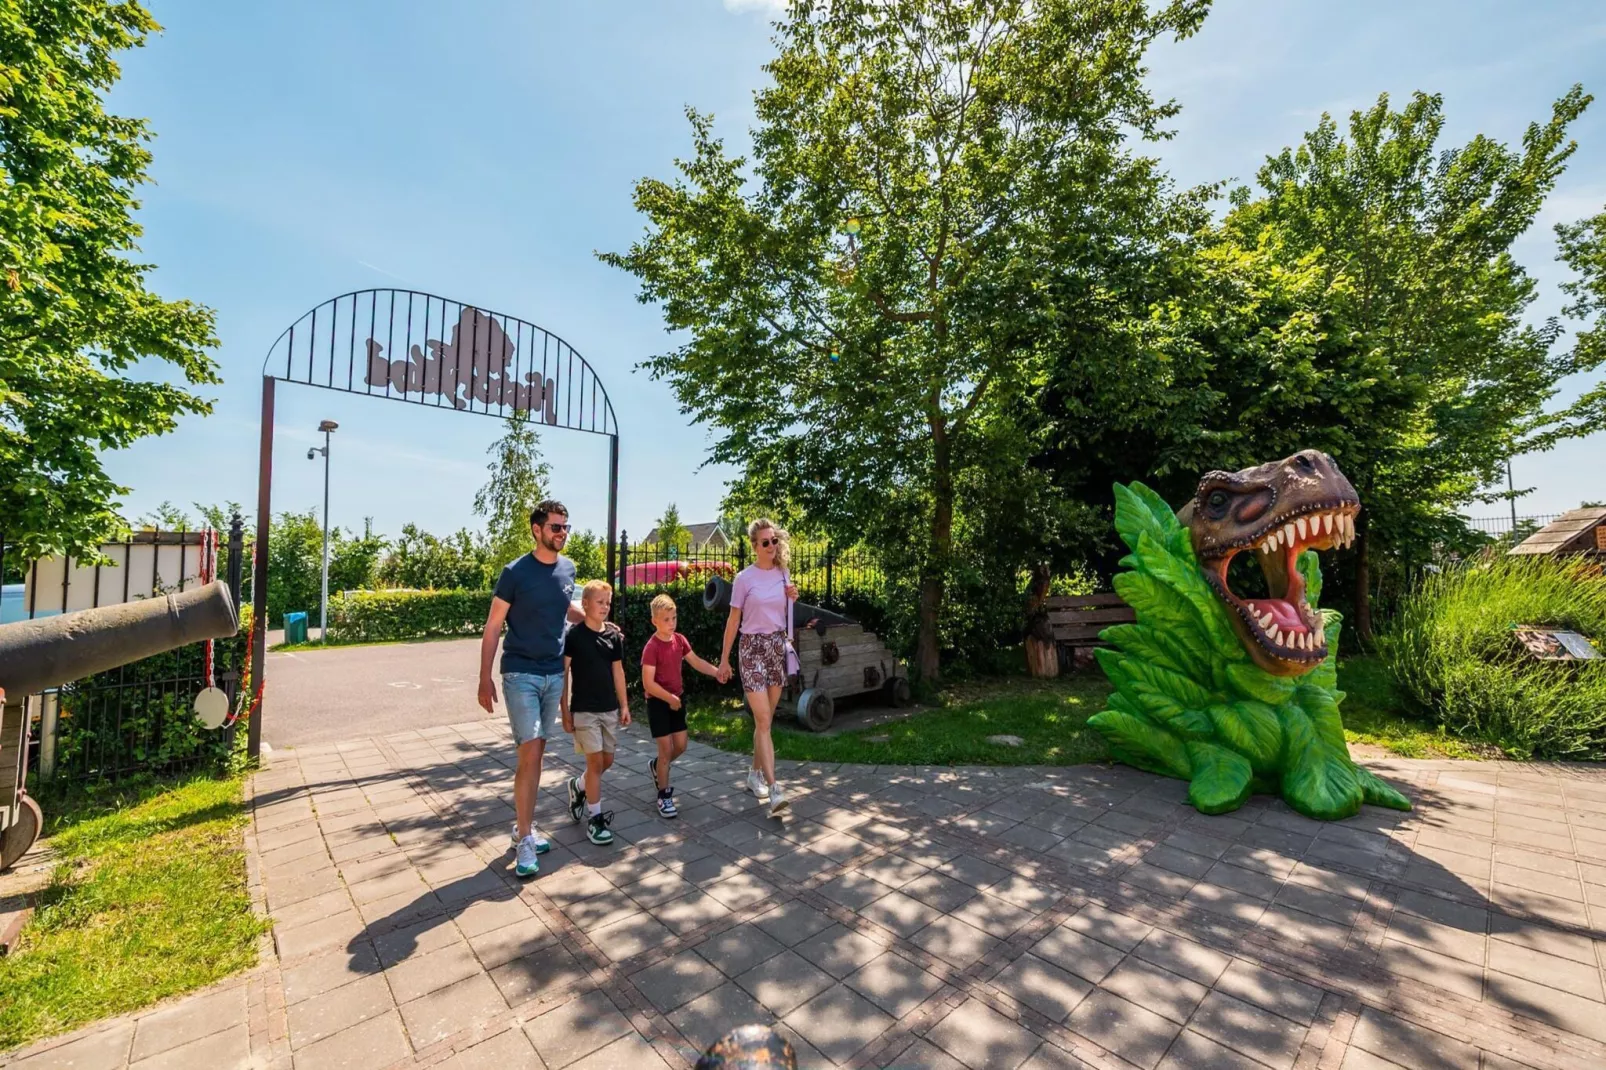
542, 844
597, 831
528, 863
652, 770
666, 803
756, 785
577, 800
778, 801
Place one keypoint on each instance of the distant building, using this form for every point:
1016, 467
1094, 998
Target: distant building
704, 537
1580, 531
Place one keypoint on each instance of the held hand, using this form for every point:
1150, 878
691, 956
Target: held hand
624, 718
613, 629
568, 722
487, 695
791, 591
723, 674
674, 702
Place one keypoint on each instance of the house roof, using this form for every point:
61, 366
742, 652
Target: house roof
700, 533
1573, 532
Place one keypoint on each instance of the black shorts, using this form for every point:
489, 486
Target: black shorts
664, 721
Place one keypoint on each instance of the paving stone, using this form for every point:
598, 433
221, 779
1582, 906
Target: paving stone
325, 935
954, 941
1410, 1045
740, 891
677, 981
1260, 986
1108, 927
462, 1005
1542, 938
1161, 881
1083, 956
710, 1016
1551, 970
690, 912
1551, 1006
976, 872
784, 982
901, 914
1043, 986
508, 1049
1430, 967
227, 1049
1248, 1029
926, 1056
801, 864
1195, 1051
1444, 911
315, 1019
740, 948
629, 937
1179, 861
893, 983
1158, 990
1027, 893
838, 951
581, 1026
853, 890
1137, 1035
1183, 957
421, 974
838, 1022
658, 887
631, 1051
188, 1020
992, 915
376, 1042
314, 908
1244, 881
1052, 1057
1442, 939
982, 1039
415, 940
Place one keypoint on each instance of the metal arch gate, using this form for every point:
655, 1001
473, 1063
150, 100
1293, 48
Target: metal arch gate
422, 349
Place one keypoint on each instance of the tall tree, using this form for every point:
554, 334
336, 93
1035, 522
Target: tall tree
930, 179
1583, 248
518, 482
75, 313
672, 533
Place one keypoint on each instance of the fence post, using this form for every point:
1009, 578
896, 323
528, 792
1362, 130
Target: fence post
741, 554
236, 552
624, 559
830, 586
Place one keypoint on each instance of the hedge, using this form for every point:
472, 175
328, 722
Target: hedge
384, 616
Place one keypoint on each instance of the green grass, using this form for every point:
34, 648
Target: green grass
148, 900
313, 644
1050, 716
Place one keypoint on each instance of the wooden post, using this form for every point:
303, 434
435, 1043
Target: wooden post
1042, 653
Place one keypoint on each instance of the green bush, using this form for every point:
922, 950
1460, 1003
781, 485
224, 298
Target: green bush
380, 616
1451, 647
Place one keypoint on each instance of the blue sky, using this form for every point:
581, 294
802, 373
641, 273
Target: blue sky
486, 150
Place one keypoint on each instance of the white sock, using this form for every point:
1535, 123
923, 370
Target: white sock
595, 808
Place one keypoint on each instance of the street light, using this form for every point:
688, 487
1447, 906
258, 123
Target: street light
326, 427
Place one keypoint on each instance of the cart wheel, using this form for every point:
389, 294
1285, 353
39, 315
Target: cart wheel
897, 691
17, 838
815, 710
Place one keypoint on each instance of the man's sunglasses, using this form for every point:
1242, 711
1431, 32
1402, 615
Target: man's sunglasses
557, 529
767, 543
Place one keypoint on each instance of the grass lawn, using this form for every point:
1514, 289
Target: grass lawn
148, 900
1050, 717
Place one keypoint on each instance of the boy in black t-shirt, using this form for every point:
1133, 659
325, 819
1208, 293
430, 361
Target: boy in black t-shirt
595, 704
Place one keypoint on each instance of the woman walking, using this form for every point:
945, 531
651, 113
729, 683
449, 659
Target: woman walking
761, 608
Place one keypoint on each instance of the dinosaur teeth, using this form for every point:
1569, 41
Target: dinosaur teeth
1275, 635
1265, 622
1327, 522
1288, 534
1300, 525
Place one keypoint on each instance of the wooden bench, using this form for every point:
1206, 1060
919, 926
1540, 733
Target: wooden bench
1077, 619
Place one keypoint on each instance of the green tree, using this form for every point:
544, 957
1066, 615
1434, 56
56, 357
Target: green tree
672, 533
295, 563
421, 561
518, 482
588, 551
1583, 249
931, 179
166, 517
75, 313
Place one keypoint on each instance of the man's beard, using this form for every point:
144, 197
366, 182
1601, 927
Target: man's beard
551, 542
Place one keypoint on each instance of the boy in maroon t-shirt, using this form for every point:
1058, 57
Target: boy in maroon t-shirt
660, 678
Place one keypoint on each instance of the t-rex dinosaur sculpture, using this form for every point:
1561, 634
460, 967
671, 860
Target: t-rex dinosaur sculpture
1236, 694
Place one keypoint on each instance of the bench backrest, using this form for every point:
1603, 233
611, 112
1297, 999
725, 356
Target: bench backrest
1077, 619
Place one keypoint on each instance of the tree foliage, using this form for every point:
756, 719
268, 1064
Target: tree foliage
76, 316
1583, 248
295, 563
421, 561
517, 483
672, 533
932, 185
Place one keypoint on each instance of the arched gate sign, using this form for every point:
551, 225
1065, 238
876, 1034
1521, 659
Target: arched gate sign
421, 349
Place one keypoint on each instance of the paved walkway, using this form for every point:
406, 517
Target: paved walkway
1037, 918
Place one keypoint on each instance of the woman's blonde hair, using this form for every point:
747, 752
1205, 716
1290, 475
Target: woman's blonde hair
783, 544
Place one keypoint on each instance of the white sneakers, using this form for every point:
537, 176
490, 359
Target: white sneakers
542, 844
767, 793
778, 801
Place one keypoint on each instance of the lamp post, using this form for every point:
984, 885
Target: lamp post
326, 426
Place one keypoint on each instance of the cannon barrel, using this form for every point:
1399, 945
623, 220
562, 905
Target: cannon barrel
40, 654
717, 596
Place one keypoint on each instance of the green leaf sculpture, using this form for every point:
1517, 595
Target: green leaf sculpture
1235, 695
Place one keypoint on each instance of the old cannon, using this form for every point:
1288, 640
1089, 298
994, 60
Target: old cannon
837, 658
36, 655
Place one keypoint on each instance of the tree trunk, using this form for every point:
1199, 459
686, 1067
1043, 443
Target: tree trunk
1042, 654
928, 665
1363, 585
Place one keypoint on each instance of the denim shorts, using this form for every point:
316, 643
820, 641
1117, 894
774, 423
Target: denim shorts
533, 703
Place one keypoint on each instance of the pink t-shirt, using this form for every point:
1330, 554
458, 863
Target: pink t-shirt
665, 659
760, 593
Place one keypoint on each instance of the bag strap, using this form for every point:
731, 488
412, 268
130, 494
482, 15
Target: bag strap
786, 580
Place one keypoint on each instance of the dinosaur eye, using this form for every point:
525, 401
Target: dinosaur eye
1216, 504
1305, 462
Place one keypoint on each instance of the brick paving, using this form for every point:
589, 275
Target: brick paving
1024, 918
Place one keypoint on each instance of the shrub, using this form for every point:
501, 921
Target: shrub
378, 616
1452, 649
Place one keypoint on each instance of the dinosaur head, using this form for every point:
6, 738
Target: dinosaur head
1274, 511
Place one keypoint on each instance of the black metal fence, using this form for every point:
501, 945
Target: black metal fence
1511, 529
137, 718
825, 575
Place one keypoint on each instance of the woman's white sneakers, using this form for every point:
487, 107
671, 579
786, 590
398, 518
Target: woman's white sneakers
778, 801
756, 785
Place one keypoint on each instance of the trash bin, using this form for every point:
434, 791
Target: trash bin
295, 627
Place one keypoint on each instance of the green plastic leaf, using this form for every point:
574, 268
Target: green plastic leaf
1148, 678
1135, 517
1317, 781
1379, 792
1160, 606
1183, 577
1310, 567
1143, 745
1252, 680
1251, 728
1192, 724
1221, 778
1153, 646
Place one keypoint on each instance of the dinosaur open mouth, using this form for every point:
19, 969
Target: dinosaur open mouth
1283, 623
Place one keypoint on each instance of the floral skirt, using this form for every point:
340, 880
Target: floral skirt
763, 660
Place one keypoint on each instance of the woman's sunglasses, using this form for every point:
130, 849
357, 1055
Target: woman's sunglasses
767, 543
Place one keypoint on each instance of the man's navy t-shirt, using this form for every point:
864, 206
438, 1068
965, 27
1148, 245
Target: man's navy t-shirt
538, 597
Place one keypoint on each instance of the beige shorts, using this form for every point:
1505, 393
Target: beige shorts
595, 733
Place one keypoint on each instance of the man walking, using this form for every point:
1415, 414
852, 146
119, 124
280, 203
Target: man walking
534, 598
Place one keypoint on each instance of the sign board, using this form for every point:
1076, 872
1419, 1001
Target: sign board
1549, 644
146, 564
474, 365
1600, 537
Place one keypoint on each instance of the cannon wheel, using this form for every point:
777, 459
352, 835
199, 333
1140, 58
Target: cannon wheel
815, 710
897, 691
20, 835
